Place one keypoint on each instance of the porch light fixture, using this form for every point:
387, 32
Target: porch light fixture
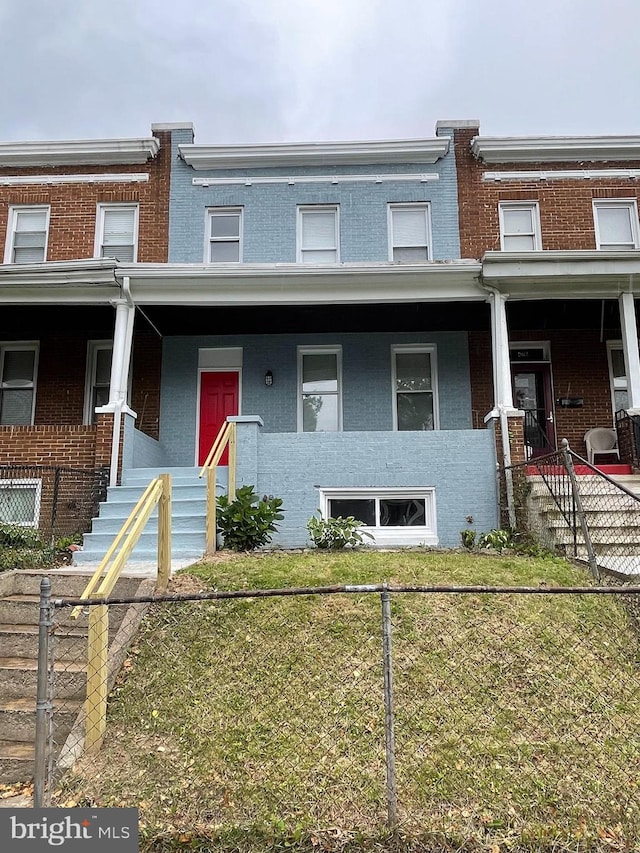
268, 378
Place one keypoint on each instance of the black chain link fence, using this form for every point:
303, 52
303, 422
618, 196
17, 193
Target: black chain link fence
41, 505
497, 715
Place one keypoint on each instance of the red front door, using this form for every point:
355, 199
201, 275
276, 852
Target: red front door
218, 400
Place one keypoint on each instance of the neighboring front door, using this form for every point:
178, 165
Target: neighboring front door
532, 394
219, 395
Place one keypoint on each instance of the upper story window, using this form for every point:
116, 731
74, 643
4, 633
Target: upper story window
18, 363
409, 228
318, 235
117, 231
27, 233
616, 224
414, 387
320, 389
519, 226
224, 235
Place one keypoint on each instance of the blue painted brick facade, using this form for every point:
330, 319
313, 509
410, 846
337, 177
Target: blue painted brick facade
366, 372
270, 209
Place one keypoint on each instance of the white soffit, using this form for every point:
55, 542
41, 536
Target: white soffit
248, 181
78, 152
561, 175
104, 178
315, 153
555, 149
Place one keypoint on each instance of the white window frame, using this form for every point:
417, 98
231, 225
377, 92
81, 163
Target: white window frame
426, 534
93, 347
18, 484
629, 204
316, 208
100, 211
621, 384
14, 212
20, 346
532, 206
320, 350
208, 239
408, 348
426, 208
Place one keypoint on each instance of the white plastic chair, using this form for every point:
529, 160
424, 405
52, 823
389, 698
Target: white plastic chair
601, 440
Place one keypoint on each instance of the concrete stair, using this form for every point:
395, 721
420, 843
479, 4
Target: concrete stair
613, 519
19, 615
188, 515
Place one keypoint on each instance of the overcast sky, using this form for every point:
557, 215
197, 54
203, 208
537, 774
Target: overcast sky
289, 70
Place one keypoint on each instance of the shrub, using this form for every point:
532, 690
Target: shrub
16, 536
247, 522
468, 538
496, 539
336, 532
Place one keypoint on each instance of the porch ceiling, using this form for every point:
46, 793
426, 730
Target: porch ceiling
563, 274
299, 284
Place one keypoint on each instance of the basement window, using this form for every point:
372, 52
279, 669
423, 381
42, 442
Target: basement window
20, 502
392, 516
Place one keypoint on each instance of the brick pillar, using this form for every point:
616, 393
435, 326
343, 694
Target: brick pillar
104, 440
248, 435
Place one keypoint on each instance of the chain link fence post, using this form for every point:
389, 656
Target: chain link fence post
389, 732
43, 698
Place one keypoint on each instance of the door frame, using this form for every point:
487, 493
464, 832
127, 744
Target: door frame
201, 370
543, 366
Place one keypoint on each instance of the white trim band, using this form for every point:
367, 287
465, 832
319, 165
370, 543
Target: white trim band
26, 180
313, 179
560, 175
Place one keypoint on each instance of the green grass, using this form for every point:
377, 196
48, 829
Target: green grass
259, 723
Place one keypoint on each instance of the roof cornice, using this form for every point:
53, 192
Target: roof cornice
78, 152
314, 153
555, 149
90, 281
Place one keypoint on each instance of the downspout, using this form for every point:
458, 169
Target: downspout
499, 407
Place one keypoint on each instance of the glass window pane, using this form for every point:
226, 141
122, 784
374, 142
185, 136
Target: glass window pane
415, 411
363, 510
121, 253
403, 512
103, 366
617, 364
31, 220
227, 251
320, 413
520, 243
518, 220
621, 400
17, 504
317, 256
409, 227
413, 371
413, 255
16, 407
320, 373
17, 369
225, 225
29, 240
614, 224
319, 229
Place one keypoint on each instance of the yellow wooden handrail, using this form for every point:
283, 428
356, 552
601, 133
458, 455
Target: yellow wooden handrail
158, 492
226, 436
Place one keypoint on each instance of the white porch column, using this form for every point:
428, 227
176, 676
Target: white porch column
630, 347
120, 360
503, 399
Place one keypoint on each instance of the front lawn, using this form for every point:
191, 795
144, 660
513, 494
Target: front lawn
259, 723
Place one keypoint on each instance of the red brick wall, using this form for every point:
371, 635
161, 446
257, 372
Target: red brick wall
72, 225
566, 212
71, 446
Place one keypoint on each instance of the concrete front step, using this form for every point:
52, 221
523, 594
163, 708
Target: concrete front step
179, 524
19, 678
16, 761
120, 510
185, 542
615, 519
67, 584
22, 641
132, 494
25, 609
18, 718
630, 541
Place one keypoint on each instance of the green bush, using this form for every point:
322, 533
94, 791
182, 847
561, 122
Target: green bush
496, 539
336, 533
468, 538
17, 536
248, 522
